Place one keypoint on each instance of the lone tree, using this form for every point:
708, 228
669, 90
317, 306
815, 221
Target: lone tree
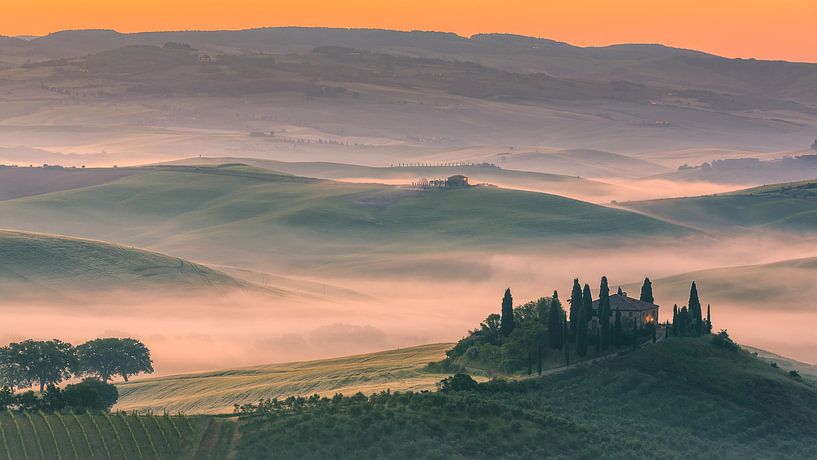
646, 291
695, 313
506, 324
708, 319
42, 362
108, 357
555, 322
604, 313
576, 304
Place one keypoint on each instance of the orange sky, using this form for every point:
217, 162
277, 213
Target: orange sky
768, 29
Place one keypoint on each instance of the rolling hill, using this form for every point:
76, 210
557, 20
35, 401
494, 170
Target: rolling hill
237, 215
556, 184
217, 392
790, 207
681, 398
18, 182
36, 265
751, 171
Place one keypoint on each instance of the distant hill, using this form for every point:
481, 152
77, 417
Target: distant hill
633, 62
790, 207
19, 181
241, 215
582, 162
216, 392
35, 265
751, 171
556, 184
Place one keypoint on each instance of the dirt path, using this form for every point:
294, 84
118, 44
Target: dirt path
218, 440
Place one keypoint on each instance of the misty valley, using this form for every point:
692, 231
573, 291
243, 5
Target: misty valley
355, 243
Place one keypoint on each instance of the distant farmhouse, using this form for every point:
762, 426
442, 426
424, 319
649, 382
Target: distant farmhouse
644, 313
456, 181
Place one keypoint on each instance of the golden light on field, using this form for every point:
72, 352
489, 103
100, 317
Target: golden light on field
770, 30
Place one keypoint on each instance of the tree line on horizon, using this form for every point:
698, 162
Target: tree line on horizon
520, 337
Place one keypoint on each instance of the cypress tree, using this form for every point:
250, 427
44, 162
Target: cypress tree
576, 303
587, 299
581, 333
646, 291
565, 341
708, 320
695, 312
555, 322
620, 292
617, 336
506, 321
604, 313
675, 320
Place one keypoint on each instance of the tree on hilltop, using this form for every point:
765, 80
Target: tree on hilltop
604, 313
646, 291
506, 325
108, 357
576, 304
555, 322
695, 312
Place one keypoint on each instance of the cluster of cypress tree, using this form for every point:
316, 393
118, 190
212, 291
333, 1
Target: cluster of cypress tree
689, 320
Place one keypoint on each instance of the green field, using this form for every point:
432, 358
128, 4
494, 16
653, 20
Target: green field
39, 264
784, 207
557, 184
40, 436
683, 398
238, 215
217, 392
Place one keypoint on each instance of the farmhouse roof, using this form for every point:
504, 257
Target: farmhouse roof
624, 303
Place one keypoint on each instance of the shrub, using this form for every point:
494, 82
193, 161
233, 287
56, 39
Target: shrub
722, 340
794, 374
458, 382
90, 395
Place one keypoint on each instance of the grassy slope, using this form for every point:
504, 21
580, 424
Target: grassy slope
20, 182
764, 285
53, 436
237, 213
46, 263
564, 185
216, 392
684, 398
789, 207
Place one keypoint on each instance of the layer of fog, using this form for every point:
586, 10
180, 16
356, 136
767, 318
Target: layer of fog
407, 307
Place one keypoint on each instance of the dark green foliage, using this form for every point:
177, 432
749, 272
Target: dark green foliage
794, 374
37, 362
618, 334
458, 382
555, 315
604, 313
686, 399
108, 357
576, 304
646, 291
696, 316
581, 333
722, 340
6, 398
708, 323
506, 325
675, 320
90, 395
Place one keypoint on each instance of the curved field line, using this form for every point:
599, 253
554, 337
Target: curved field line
148, 437
84, 434
173, 425
116, 435
132, 436
53, 436
36, 434
5, 443
68, 434
162, 433
101, 436
19, 434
